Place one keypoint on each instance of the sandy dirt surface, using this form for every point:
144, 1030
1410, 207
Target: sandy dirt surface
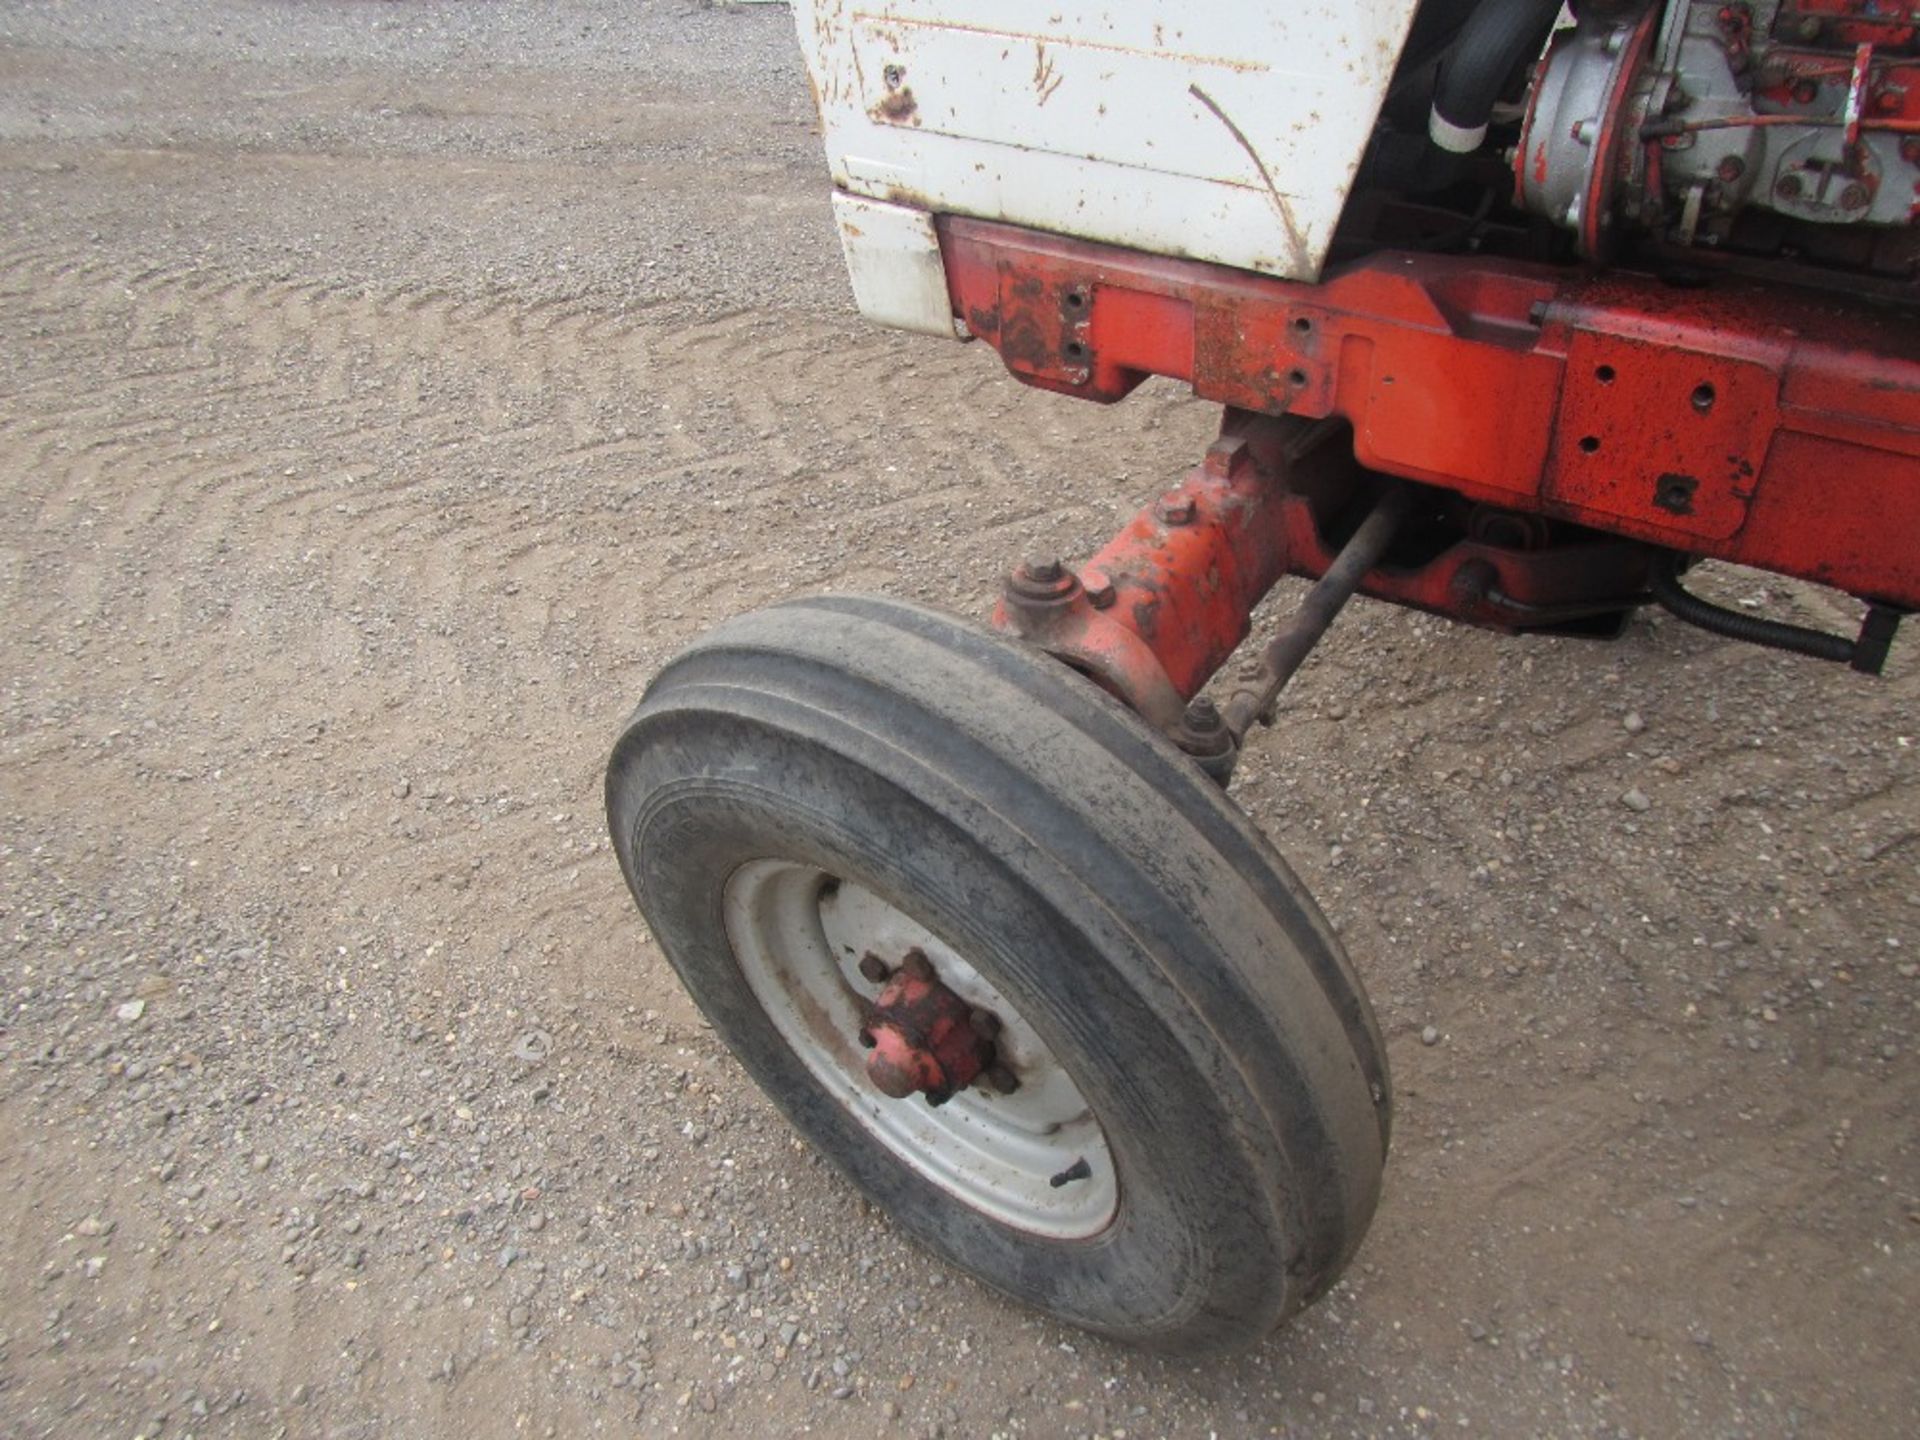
385, 391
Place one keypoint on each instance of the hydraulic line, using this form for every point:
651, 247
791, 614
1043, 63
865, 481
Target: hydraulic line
1868, 654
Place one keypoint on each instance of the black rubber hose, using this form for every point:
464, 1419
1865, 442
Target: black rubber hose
1664, 581
1497, 37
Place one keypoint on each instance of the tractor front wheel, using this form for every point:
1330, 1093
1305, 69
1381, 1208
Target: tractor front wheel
1012, 962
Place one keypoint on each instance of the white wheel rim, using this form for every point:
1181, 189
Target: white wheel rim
799, 933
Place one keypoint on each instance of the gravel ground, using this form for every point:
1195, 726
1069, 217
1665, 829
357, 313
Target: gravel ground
388, 389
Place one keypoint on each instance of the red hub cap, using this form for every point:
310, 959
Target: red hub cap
923, 1037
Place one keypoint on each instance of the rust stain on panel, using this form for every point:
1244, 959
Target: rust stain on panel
1296, 242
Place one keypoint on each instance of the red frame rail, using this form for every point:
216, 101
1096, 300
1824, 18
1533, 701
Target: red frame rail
1760, 425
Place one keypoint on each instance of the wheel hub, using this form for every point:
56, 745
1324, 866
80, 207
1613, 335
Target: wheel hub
921, 1036
831, 963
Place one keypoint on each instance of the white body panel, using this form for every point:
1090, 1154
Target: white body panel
1227, 131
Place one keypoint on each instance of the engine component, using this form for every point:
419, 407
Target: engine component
1686, 119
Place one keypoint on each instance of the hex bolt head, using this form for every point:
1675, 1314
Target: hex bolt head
1855, 197
875, 969
1098, 587
1176, 510
1001, 1078
985, 1023
1203, 716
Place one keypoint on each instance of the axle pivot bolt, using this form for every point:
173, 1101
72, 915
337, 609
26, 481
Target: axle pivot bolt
1001, 1078
1040, 583
985, 1023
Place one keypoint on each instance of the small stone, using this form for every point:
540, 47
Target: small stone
261, 1162
1633, 724
93, 1225
519, 1317
299, 1395
1430, 1036
1636, 800
533, 1046
132, 1010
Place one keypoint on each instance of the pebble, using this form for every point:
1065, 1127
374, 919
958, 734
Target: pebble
1430, 1036
1633, 724
1636, 800
132, 1010
533, 1046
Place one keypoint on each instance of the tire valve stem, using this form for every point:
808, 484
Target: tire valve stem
1079, 1170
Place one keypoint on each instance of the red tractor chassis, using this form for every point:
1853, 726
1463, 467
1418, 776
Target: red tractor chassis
1569, 435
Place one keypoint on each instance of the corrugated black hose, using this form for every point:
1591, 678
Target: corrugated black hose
1868, 654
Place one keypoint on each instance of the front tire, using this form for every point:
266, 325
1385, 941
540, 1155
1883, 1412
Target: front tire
840, 777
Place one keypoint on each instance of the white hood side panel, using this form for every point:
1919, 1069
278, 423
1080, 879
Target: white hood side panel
1226, 131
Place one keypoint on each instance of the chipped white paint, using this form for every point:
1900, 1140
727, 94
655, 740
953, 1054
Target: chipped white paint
1228, 131
893, 259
